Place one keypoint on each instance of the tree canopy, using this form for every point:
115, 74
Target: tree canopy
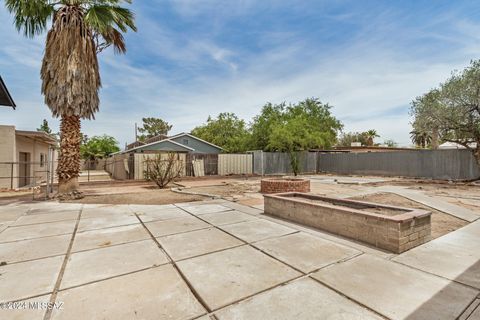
226, 131
451, 112
44, 127
153, 127
98, 147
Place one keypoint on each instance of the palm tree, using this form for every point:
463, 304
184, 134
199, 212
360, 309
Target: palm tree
70, 75
370, 135
421, 139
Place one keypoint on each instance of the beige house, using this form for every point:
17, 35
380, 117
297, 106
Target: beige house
25, 157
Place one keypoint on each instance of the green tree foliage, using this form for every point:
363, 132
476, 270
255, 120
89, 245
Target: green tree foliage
302, 126
98, 147
226, 131
347, 138
452, 111
153, 127
44, 127
390, 143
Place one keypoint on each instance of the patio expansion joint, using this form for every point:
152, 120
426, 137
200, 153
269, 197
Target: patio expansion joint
53, 297
301, 276
350, 299
175, 266
433, 274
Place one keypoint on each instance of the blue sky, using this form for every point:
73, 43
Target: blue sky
195, 58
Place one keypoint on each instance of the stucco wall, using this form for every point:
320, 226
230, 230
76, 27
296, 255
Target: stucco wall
35, 148
7, 154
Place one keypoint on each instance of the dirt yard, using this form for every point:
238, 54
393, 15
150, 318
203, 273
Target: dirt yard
442, 223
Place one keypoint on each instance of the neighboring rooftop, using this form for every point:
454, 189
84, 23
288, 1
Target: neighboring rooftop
5, 97
37, 135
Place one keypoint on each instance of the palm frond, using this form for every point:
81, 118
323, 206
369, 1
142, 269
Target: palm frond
30, 16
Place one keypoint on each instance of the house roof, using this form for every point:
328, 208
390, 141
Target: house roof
5, 97
37, 135
196, 138
159, 142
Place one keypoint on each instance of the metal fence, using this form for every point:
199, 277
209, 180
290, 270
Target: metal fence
430, 164
278, 163
37, 176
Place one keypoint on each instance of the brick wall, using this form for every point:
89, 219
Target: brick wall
284, 185
393, 233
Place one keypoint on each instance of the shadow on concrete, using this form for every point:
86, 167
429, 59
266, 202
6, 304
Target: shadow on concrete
429, 309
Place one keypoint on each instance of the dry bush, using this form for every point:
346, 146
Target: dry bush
163, 169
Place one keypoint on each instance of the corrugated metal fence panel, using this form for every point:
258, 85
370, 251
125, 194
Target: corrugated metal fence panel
279, 162
234, 164
433, 164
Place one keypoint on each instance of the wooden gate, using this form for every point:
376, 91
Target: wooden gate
210, 162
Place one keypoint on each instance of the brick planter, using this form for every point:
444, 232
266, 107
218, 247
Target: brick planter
387, 227
279, 185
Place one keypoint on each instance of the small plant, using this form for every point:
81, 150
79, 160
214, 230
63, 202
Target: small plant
163, 168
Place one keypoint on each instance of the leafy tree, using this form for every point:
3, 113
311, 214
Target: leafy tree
347, 138
79, 30
153, 127
303, 126
226, 131
390, 143
263, 124
163, 168
98, 147
44, 127
452, 111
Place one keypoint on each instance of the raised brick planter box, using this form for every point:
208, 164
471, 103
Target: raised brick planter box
391, 228
280, 185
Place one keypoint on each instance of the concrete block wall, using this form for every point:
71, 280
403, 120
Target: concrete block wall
395, 234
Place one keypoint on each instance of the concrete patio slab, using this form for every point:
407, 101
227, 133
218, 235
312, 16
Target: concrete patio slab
106, 222
144, 208
455, 256
102, 211
153, 294
27, 279
305, 252
45, 218
242, 208
397, 291
37, 231
163, 214
88, 266
257, 230
26, 309
173, 226
17, 251
11, 216
226, 217
52, 207
205, 208
224, 277
434, 202
100, 238
472, 312
190, 244
301, 299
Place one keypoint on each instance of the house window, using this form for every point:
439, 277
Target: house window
42, 160
185, 142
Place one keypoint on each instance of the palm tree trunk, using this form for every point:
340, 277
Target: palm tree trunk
69, 159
